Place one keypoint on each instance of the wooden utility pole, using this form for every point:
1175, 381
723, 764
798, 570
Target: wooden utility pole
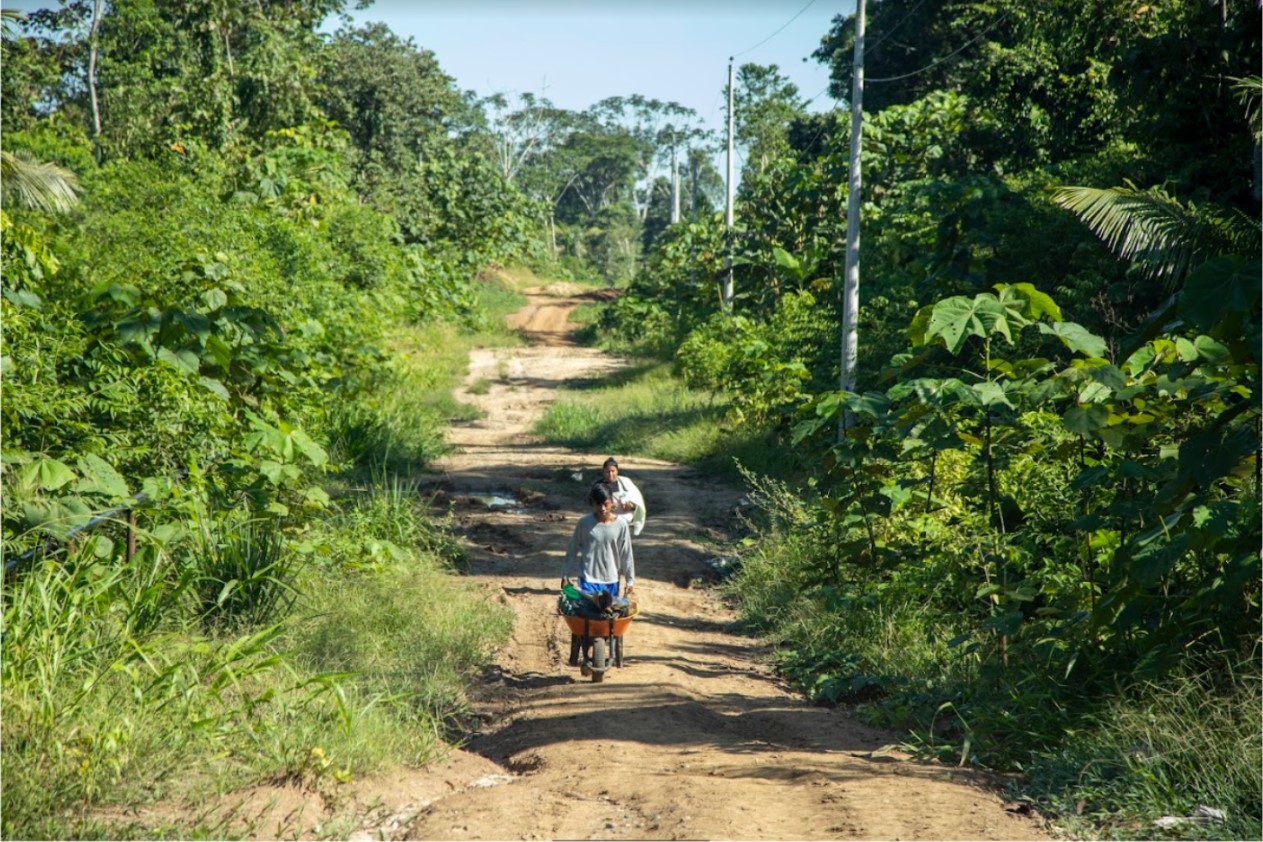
851, 285
726, 297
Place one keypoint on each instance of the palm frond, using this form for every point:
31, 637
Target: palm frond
1148, 227
1249, 91
9, 20
37, 184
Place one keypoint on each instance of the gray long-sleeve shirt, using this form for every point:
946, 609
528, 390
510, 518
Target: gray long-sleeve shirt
601, 551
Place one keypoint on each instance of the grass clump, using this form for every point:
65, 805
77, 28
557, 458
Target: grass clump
401, 424
646, 409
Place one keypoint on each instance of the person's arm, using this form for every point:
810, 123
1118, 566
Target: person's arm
638, 511
572, 554
626, 556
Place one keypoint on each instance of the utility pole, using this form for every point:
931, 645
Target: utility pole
726, 297
675, 188
94, 39
851, 285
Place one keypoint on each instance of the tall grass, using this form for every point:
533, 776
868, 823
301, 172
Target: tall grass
233, 652
647, 410
245, 574
401, 424
1164, 748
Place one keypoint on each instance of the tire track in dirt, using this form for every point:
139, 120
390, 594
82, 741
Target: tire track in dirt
694, 738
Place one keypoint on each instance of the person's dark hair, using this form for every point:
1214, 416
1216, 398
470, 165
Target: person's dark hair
600, 493
608, 462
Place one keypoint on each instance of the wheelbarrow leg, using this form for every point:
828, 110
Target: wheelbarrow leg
575, 643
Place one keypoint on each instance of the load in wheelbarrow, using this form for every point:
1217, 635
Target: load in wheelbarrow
597, 623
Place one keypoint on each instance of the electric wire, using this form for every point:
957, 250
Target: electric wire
777, 32
942, 59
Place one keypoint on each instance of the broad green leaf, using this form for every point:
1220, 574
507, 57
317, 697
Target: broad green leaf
23, 298
314, 452
785, 260
219, 350
917, 328
991, 394
1039, 304
1076, 338
1084, 421
1109, 376
1095, 392
937, 392
1220, 287
186, 361
873, 404
1212, 351
1186, 350
316, 496
957, 318
274, 471
47, 474
194, 323
214, 298
214, 386
100, 476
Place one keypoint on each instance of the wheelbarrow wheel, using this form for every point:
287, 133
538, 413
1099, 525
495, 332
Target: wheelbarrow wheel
618, 652
598, 660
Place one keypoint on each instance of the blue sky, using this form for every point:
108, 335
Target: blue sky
577, 52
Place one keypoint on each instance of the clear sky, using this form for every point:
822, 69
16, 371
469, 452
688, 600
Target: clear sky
578, 52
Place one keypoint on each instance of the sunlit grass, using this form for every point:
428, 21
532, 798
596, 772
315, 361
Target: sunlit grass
130, 682
648, 411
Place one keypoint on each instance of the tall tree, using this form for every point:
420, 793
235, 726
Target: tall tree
391, 97
1062, 79
765, 102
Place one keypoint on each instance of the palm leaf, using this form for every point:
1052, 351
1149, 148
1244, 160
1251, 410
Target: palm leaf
38, 184
9, 20
1249, 91
1150, 228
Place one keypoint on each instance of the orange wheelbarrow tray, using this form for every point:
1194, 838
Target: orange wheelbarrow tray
582, 626
596, 644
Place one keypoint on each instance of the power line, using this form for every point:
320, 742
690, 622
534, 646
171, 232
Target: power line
777, 32
891, 31
953, 53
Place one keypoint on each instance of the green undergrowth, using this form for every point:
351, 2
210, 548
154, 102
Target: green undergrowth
1104, 747
234, 650
401, 424
644, 409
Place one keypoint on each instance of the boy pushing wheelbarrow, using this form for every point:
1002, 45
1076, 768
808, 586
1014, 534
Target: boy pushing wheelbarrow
601, 552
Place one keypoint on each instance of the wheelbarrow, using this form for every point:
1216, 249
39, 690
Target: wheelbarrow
596, 632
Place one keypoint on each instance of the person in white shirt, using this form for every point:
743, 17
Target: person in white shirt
629, 503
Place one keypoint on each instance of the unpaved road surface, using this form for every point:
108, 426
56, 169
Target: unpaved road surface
694, 738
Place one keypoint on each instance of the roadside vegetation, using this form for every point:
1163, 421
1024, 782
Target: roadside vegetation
244, 264
1029, 538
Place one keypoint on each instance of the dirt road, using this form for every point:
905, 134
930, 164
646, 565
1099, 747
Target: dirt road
693, 738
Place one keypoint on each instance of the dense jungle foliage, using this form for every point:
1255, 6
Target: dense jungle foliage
1031, 535
239, 261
